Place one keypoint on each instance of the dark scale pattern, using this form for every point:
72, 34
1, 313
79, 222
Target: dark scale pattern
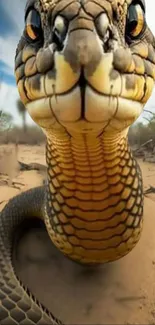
96, 210
17, 305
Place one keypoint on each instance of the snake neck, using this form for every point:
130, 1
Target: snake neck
94, 185
85, 171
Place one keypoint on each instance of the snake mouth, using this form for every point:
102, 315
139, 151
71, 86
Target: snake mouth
82, 84
84, 110
69, 98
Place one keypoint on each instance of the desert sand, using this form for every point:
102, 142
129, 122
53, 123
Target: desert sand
121, 292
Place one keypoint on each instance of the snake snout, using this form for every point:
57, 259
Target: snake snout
83, 49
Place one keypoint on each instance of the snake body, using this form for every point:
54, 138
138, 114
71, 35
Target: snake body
84, 70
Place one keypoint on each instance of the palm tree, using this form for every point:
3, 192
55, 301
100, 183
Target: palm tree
22, 111
6, 120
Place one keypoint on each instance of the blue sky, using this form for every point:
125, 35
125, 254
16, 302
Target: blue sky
11, 27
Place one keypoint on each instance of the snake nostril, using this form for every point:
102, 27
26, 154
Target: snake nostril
102, 23
57, 39
59, 32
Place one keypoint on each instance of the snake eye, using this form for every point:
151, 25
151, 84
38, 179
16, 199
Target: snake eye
59, 30
135, 21
33, 28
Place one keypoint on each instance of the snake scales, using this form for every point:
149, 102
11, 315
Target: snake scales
84, 71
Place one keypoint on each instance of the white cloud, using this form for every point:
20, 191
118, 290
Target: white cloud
7, 51
150, 15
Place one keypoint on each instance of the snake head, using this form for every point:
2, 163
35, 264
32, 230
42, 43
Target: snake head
85, 66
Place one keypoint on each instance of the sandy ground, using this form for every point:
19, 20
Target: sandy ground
122, 292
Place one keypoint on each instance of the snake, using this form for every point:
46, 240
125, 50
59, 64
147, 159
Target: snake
84, 71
